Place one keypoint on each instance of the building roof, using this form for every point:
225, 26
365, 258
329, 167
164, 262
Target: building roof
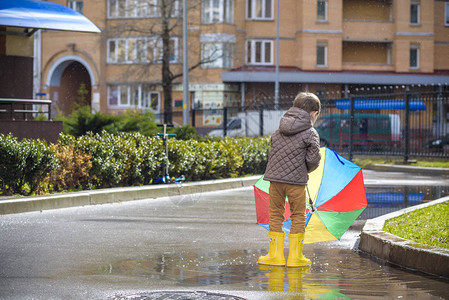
34, 14
296, 75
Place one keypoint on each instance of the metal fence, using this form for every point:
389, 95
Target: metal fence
406, 124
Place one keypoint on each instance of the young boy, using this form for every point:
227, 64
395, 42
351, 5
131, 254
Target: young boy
294, 152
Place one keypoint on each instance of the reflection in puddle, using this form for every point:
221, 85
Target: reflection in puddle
387, 199
223, 268
213, 268
335, 274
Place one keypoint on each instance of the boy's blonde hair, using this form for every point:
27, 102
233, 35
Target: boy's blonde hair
308, 102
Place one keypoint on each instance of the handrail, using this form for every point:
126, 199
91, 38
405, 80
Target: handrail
8, 106
31, 101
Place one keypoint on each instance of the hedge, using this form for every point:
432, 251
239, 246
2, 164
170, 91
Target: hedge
24, 165
105, 160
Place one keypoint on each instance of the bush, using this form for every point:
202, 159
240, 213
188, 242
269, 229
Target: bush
108, 161
254, 154
187, 132
104, 160
73, 170
228, 157
82, 121
24, 165
134, 121
124, 159
204, 160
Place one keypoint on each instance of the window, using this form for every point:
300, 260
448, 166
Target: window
141, 8
217, 11
321, 14
414, 56
139, 50
217, 55
133, 96
321, 55
76, 5
150, 100
123, 99
446, 14
414, 12
259, 9
259, 52
157, 50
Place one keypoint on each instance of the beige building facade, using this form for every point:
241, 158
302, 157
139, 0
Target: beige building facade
334, 48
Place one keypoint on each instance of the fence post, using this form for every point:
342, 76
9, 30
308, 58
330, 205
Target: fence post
351, 126
261, 120
193, 117
406, 126
225, 121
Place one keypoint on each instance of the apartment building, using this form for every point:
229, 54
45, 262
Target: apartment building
334, 48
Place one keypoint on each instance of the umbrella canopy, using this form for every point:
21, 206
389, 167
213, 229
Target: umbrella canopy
337, 197
43, 15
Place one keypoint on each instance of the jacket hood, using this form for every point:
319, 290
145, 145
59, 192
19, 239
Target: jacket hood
294, 121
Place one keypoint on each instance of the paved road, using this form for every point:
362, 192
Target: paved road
205, 242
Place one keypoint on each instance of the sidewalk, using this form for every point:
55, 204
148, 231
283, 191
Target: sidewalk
27, 204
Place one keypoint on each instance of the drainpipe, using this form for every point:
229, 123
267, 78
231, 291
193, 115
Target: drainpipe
185, 67
276, 84
37, 62
242, 96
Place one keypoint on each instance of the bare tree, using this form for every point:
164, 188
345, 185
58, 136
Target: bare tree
166, 26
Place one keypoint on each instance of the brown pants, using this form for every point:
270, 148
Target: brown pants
296, 198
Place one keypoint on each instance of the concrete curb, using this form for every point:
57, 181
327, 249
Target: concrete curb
409, 254
39, 203
408, 169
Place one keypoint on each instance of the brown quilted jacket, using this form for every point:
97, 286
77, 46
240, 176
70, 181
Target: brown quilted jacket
295, 149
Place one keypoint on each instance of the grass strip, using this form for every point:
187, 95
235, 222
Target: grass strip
364, 162
428, 225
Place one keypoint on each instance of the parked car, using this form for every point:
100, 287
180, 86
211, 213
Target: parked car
440, 144
370, 131
248, 123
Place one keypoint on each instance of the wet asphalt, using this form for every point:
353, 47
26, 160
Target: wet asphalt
201, 245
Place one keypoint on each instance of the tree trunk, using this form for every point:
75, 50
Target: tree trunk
167, 76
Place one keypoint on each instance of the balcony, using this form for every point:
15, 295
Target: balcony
367, 56
368, 30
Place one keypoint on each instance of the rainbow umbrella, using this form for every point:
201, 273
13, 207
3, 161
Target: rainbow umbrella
336, 197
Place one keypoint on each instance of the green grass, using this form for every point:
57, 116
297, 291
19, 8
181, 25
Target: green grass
364, 162
428, 225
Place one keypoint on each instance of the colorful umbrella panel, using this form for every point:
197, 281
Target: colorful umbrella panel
337, 194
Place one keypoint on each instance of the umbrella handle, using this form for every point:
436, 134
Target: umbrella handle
310, 200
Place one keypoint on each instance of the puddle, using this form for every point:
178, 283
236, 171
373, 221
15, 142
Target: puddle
335, 274
386, 199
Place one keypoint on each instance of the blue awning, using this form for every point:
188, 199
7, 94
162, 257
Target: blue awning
368, 104
36, 14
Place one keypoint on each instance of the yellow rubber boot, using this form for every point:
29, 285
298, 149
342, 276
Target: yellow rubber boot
275, 256
295, 256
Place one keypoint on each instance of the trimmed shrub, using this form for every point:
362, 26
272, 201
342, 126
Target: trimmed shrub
255, 153
24, 164
124, 159
107, 160
73, 170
